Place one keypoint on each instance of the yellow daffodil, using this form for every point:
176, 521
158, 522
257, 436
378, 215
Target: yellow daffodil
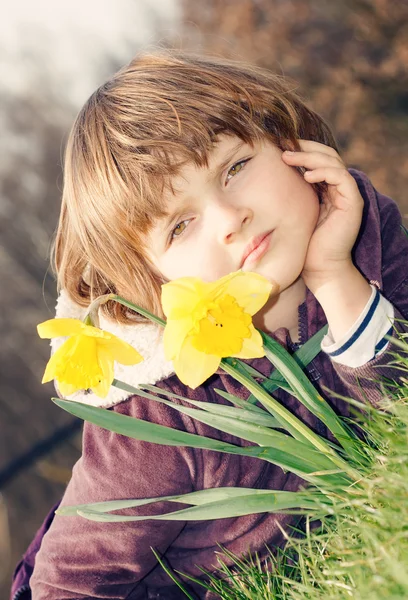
86, 359
210, 321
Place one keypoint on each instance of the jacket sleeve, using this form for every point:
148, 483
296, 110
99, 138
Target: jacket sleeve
366, 382
82, 559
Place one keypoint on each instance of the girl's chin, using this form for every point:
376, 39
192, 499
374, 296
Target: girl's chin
277, 276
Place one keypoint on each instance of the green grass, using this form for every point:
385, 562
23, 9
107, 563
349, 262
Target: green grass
361, 550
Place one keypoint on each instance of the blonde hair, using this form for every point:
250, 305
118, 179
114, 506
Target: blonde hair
131, 137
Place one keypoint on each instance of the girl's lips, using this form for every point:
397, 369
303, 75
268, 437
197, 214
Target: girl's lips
256, 248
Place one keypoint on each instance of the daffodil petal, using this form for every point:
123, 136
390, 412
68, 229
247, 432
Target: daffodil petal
106, 364
250, 290
59, 328
57, 357
102, 389
175, 332
220, 284
252, 347
66, 389
179, 297
193, 367
121, 351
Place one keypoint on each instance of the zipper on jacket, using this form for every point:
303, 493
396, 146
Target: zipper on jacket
20, 591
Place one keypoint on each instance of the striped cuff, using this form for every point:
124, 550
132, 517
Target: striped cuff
366, 338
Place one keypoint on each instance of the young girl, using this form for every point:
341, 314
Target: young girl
178, 166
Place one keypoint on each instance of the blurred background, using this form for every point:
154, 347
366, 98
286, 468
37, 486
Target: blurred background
350, 59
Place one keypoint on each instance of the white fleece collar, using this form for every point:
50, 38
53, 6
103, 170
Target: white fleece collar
145, 338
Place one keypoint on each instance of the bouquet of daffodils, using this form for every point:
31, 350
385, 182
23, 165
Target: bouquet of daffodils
209, 326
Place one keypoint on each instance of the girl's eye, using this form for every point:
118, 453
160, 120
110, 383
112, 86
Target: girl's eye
236, 168
178, 231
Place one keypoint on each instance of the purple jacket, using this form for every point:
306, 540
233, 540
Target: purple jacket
84, 559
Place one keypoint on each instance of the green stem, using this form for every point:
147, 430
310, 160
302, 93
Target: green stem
170, 573
140, 310
92, 316
299, 430
308, 395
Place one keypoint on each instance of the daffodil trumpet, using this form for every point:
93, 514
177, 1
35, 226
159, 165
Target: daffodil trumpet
207, 322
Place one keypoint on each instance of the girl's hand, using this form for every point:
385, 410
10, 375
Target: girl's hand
339, 221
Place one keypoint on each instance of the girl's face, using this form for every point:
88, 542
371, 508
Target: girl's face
216, 211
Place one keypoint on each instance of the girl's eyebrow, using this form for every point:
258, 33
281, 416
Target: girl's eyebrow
221, 166
168, 219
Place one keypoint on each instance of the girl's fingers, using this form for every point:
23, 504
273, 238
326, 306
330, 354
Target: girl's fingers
325, 165
312, 160
345, 184
311, 145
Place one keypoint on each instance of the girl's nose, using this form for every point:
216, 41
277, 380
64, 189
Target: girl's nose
230, 221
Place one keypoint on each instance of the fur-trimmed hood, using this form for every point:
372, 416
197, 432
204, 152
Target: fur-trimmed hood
146, 338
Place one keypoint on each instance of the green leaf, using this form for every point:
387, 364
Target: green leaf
233, 504
397, 342
289, 421
309, 396
235, 507
139, 429
310, 349
170, 573
198, 497
261, 417
258, 417
303, 356
253, 372
244, 404
258, 434
271, 385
